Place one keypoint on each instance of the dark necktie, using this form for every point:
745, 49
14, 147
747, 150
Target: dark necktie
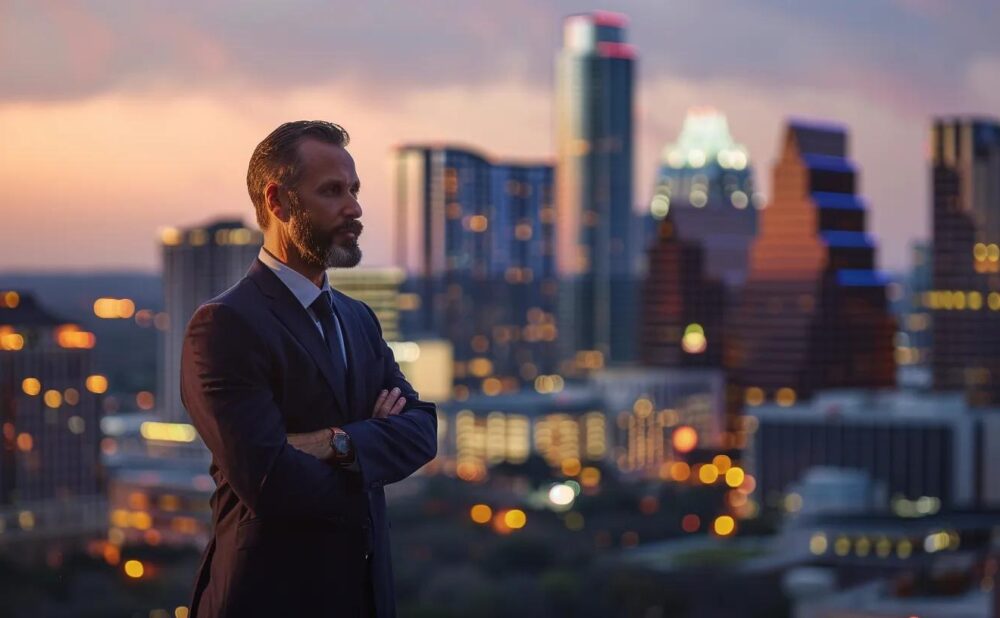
323, 308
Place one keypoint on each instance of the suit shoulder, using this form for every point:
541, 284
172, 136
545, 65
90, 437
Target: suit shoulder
239, 302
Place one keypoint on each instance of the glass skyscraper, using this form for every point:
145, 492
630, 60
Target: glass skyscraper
198, 264
965, 301
705, 182
814, 313
594, 108
476, 240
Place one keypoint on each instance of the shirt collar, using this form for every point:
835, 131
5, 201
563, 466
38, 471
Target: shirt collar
304, 290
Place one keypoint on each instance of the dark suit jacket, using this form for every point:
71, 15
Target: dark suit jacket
291, 533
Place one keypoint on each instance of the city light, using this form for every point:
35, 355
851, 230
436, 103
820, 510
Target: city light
818, 544
134, 569
53, 398
735, 477
10, 340
690, 523
168, 432
31, 386
515, 519
71, 337
708, 474
481, 514
97, 384
561, 495
10, 299
685, 439
724, 525
114, 308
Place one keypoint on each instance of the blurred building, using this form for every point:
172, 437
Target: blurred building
476, 241
198, 264
594, 110
914, 334
659, 414
814, 313
376, 287
929, 452
567, 429
158, 483
51, 480
683, 309
705, 184
965, 301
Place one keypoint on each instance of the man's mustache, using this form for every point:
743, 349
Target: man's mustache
355, 226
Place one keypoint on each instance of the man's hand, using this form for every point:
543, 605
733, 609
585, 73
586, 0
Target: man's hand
317, 443
389, 403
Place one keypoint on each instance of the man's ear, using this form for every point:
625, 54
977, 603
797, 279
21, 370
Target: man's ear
277, 201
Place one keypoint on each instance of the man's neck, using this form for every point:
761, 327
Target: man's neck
292, 259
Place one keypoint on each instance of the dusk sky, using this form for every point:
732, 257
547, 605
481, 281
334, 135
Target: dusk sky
120, 118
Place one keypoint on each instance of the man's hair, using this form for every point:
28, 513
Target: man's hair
276, 159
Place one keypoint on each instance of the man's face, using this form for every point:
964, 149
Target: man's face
324, 208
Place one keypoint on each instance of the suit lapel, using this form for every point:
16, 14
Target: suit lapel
297, 320
349, 328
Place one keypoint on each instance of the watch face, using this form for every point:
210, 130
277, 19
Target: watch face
341, 444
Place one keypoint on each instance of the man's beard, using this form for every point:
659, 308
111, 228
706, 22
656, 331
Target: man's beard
318, 248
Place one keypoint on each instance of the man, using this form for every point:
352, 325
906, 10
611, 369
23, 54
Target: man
301, 403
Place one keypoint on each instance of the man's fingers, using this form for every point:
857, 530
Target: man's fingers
398, 406
380, 400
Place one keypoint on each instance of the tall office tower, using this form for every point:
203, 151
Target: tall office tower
966, 271
682, 308
50, 408
598, 303
814, 313
705, 182
198, 264
476, 241
378, 288
915, 328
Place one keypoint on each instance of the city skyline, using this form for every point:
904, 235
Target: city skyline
128, 95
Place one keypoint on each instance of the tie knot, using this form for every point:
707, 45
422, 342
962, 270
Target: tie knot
323, 305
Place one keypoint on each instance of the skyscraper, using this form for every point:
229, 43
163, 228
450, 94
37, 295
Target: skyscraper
814, 313
376, 287
705, 182
594, 75
476, 240
965, 302
705, 211
198, 264
50, 409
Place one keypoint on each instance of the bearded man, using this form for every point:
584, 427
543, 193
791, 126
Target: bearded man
307, 415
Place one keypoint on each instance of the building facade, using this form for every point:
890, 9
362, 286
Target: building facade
814, 313
476, 242
965, 301
198, 264
594, 109
51, 480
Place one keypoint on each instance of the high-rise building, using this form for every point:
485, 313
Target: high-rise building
814, 312
378, 287
198, 264
914, 335
965, 301
594, 107
682, 308
50, 409
476, 241
705, 182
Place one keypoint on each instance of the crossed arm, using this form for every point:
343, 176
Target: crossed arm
224, 386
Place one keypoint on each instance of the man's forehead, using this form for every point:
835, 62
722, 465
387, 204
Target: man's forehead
326, 159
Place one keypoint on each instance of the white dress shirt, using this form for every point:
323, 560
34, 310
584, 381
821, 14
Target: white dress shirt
305, 291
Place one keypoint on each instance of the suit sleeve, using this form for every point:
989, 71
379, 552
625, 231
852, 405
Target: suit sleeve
391, 449
225, 381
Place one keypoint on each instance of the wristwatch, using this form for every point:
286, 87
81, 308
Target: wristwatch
340, 444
